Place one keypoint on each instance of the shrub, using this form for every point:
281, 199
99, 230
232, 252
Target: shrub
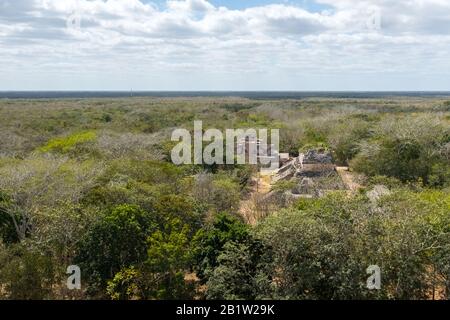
162, 274
209, 242
8, 231
322, 249
406, 149
25, 274
237, 275
118, 240
67, 144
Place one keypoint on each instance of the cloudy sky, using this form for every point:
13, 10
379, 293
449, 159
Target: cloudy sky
225, 45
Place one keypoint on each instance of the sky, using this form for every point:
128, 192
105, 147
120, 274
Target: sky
237, 45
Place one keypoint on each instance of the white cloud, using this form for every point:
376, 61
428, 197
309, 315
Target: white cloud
190, 6
124, 43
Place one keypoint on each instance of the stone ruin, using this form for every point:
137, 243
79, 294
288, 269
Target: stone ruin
315, 172
317, 157
309, 164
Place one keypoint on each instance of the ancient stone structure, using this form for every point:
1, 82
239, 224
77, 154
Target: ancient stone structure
314, 171
311, 164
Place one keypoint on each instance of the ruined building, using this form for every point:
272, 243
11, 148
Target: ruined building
313, 172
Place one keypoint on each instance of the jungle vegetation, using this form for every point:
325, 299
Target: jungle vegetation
89, 182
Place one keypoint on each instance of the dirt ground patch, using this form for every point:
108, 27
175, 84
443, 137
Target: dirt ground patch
249, 208
348, 178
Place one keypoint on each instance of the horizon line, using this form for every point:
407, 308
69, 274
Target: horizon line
244, 91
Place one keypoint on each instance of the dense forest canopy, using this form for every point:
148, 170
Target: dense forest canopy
90, 182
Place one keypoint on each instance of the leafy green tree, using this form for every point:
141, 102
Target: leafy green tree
220, 192
345, 137
8, 231
25, 274
168, 260
162, 275
209, 242
312, 249
240, 273
408, 149
127, 284
70, 143
184, 208
117, 241
321, 249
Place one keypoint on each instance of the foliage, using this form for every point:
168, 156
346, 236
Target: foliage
25, 274
116, 241
8, 231
209, 242
168, 259
69, 143
240, 272
322, 250
161, 276
90, 182
407, 149
345, 137
126, 285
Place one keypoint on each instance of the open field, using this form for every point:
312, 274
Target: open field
90, 182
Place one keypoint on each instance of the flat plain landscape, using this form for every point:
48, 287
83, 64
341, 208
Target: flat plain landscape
90, 182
